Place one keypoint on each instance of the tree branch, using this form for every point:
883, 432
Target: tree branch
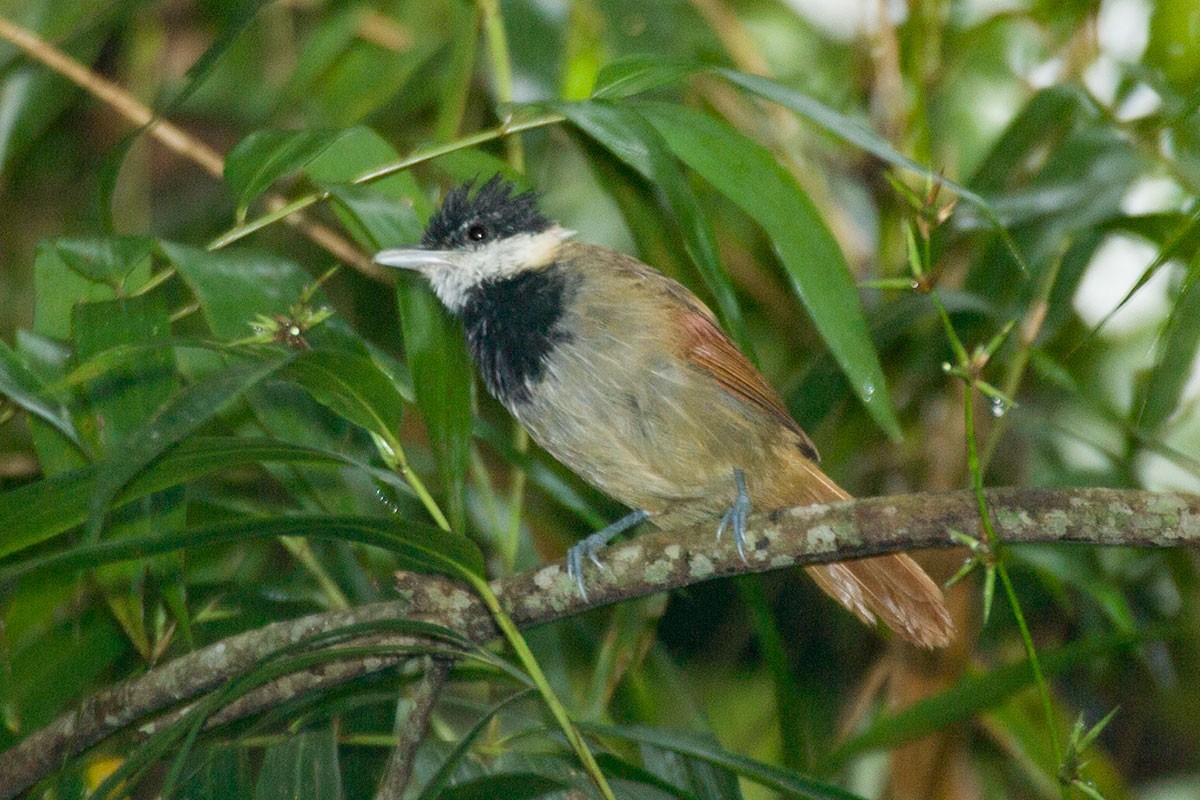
648, 564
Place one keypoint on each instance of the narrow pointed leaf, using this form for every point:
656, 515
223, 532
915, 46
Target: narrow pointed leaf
303, 765
628, 136
39, 511
843, 127
418, 547
445, 771
24, 389
1177, 348
265, 156
787, 782
636, 74
189, 410
390, 212
749, 175
352, 387
978, 693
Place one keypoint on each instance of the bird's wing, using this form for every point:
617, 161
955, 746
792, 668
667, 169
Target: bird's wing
706, 346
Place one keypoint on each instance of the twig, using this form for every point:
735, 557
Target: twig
424, 698
172, 137
652, 563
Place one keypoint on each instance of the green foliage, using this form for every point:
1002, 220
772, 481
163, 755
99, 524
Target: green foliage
209, 421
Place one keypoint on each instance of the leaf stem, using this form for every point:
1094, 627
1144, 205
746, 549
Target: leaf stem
493, 27
995, 548
1031, 326
530, 663
419, 157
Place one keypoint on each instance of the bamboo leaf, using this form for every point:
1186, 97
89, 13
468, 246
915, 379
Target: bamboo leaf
628, 136
183, 416
24, 389
787, 782
978, 693
750, 176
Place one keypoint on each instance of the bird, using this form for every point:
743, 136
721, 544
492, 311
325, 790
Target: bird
625, 376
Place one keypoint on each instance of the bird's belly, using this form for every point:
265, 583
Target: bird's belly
647, 437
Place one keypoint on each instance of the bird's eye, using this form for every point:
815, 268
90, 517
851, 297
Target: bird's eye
477, 233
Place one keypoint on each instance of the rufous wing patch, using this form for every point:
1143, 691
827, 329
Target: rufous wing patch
706, 346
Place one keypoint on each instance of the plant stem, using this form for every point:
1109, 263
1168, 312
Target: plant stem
419, 157
1028, 332
995, 547
530, 663
493, 26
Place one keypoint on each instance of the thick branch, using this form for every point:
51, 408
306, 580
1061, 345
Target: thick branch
651, 563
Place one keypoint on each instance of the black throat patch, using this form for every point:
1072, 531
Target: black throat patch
512, 326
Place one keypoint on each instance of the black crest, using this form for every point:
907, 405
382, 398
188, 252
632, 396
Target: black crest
498, 210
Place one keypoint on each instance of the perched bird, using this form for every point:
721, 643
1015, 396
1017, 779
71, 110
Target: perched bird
624, 375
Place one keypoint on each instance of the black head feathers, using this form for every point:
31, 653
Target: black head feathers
496, 211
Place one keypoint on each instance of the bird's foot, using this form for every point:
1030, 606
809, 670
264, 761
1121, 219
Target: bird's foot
587, 548
735, 517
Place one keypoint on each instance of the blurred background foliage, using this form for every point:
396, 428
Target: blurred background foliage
161, 379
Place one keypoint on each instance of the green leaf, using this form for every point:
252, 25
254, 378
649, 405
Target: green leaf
787, 782
190, 409
472, 164
977, 693
437, 783
375, 218
1177, 346
628, 136
442, 378
636, 74
511, 786
78, 652
35, 513
355, 151
58, 286
49, 359
265, 156
303, 765
236, 285
750, 176
235, 20
843, 127
106, 259
825, 384
26, 390
417, 547
1045, 120
351, 386
392, 211
217, 772
701, 780
129, 392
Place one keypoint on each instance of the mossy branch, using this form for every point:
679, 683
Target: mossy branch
651, 563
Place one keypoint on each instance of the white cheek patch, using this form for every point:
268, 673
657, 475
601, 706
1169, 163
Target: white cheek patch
453, 282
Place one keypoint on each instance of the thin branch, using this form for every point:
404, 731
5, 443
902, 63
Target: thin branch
424, 697
173, 137
649, 564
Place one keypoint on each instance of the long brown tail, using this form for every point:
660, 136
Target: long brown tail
890, 588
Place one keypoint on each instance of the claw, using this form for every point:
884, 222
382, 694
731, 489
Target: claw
593, 544
736, 515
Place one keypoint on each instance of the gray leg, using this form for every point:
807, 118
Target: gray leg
737, 513
596, 542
